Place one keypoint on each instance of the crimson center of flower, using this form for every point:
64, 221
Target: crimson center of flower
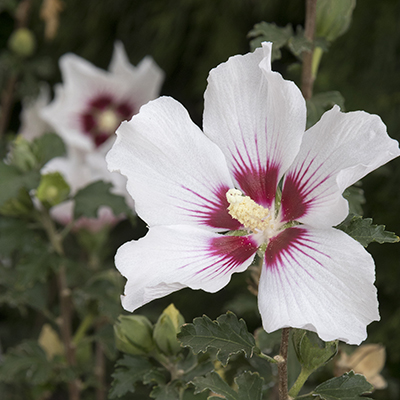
251, 215
103, 116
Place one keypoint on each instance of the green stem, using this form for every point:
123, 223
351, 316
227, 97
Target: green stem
300, 381
83, 328
268, 358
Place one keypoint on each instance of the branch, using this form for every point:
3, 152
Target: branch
282, 364
307, 78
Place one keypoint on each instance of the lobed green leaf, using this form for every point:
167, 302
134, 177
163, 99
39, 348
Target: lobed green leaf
227, 334
362, 230
349, 386
129, 370
249, 386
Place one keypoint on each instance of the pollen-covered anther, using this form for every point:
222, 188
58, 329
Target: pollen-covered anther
250, 214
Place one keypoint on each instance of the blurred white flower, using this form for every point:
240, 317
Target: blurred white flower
91, 103
88, 107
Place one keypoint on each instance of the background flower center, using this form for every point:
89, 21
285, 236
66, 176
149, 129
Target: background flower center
103, 116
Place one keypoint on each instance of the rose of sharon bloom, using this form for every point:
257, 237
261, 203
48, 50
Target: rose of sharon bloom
194, 190
91, 103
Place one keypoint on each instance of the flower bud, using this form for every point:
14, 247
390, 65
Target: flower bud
134, 334
22, 42
22, 155
52, 189
166, 329
333, 18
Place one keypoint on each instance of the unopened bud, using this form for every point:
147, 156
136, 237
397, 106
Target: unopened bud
21, 155
52, 189
333, 18
166, 329
134, 334
22, 42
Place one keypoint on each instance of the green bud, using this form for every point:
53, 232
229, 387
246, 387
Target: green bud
134, 334
167, 327
52, 189
311, 351
22, 155
333, 18
19, 206
22, 42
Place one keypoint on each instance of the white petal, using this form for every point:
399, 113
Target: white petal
32, 124
170, 258
336, 152
257, 118
148, 75
175, 174
320, 280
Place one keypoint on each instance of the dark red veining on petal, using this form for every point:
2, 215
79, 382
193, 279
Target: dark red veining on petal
259, 184
296, 199
125, 110
88, 122
257, 174
230, 251
256, 177
213, 212
281, 248
102, 103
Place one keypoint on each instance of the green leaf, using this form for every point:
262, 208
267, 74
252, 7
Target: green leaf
128, 371
321, 102
14, 235
355, 196
215, 383
26, 362
227, 334
249, 386
362, 230
92, 197
311, 351
349, 386
269, 32
169, 391
46, 147
194, 365
12, 180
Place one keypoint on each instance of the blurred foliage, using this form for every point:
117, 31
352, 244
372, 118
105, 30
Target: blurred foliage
187, 38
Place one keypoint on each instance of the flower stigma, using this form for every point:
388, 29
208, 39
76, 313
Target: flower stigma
251, 215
